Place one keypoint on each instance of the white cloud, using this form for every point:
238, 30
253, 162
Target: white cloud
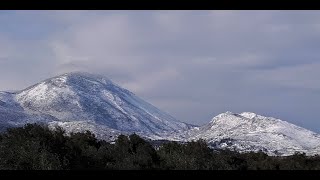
7, 48
299, 76
170, 22
152, 80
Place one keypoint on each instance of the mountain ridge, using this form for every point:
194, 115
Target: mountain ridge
79, 101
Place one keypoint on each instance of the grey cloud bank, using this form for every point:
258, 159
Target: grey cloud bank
191, 64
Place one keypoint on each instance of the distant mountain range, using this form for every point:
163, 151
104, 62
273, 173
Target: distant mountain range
81, 101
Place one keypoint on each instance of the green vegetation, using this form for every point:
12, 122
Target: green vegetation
35, 147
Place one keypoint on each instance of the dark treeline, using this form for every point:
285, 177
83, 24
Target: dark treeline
36, 147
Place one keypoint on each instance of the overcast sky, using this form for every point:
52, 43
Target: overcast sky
191, 64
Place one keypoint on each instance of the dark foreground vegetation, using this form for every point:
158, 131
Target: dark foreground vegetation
35, 147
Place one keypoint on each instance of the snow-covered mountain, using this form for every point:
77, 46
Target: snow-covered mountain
81, 101
78, 101
251, 132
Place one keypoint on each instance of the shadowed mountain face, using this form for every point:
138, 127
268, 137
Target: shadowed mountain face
76, 100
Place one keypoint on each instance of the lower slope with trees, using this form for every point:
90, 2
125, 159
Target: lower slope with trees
36, 147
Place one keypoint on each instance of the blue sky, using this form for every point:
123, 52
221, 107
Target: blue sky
191, 64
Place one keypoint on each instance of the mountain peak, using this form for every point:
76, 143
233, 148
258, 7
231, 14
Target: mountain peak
225, 114
82, 76
249, 115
